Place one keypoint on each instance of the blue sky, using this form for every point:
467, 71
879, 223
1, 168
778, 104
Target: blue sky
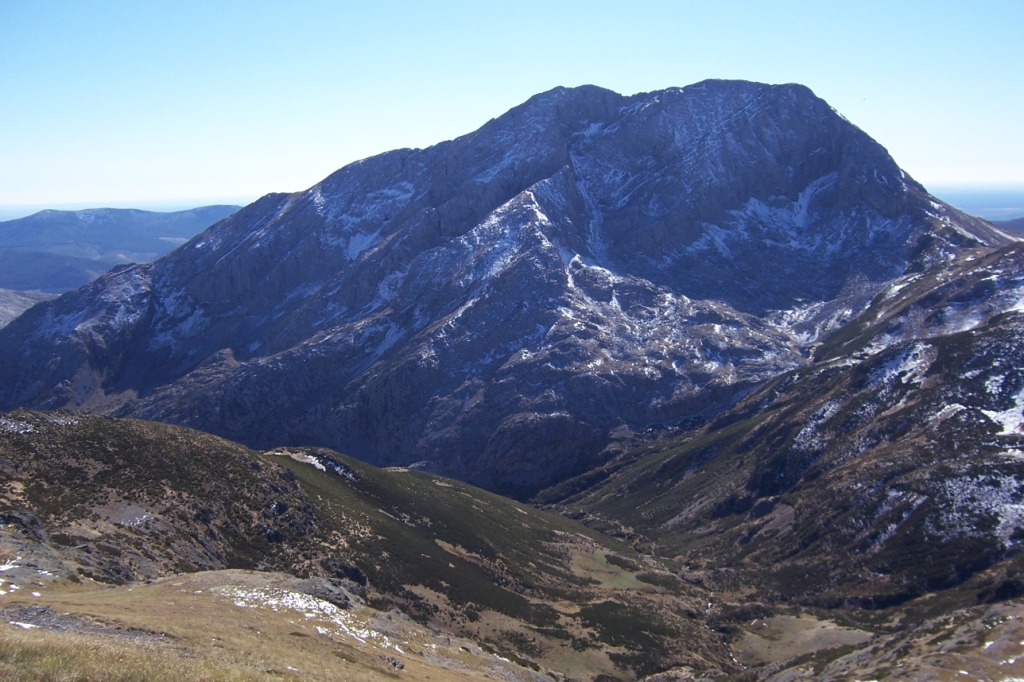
164, 104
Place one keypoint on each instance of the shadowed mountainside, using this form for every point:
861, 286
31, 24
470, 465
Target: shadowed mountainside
503, 306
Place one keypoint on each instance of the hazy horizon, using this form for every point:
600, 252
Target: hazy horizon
993, 202
158, 206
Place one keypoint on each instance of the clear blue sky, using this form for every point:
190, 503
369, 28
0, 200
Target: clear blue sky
160, 104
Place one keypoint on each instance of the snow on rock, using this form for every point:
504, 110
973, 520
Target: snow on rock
587, 254
809, 437
6, 586
309, 459
966, 503
782, 225
1010, 420
909, 366
15, 426
948, 411
61, 420
324, 464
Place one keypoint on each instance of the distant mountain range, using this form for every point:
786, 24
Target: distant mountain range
1017, 224
55, 251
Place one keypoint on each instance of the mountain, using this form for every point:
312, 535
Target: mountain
888, 468
87, 499
50, 272
1016, 225
511, 307
879, 486
14, 303
56, 251
857, 465
777, 382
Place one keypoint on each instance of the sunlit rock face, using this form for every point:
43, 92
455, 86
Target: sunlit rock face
502, 306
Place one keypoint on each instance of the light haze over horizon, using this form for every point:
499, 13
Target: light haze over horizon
177, 104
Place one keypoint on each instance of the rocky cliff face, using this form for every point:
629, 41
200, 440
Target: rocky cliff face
499, 305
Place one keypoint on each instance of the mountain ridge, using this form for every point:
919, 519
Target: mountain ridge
892, 439
499, 305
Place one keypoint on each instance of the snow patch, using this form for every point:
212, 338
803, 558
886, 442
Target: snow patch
948, 411
323, 465
1011, 420
899, 285
1018, 305
389, 285
495, 243
965, 500
777, 225
331, 621
909, 367
809, 438
309, 459
15, 426
360, 242
994, 383
188, 320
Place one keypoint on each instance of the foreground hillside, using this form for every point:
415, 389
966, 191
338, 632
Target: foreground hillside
88, 500
128, 548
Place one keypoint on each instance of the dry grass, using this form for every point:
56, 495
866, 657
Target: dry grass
782, 638
61, 657
594, 564
189, 627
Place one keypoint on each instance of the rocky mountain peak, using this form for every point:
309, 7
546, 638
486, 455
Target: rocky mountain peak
498, 305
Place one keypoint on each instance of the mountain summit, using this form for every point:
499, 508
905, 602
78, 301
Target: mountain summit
502, 306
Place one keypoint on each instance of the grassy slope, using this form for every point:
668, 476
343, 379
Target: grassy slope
88, 497
209, 626
128, 500
535, 585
